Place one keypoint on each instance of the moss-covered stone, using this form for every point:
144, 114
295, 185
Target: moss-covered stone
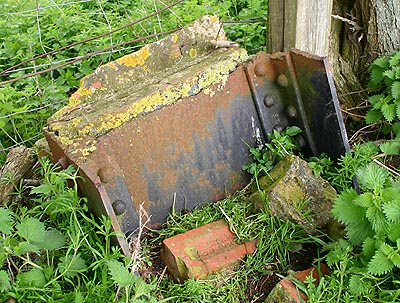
295, 194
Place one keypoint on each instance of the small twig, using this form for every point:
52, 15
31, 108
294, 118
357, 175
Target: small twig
360, 130
109, 27
229, 221
352, 114
351, 22
394, 172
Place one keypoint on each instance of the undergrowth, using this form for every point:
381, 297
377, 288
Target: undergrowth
52, 250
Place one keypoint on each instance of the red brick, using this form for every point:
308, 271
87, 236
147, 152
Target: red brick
202, 251
295, 294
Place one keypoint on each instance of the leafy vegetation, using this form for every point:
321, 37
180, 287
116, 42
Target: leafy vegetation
52, 250
280, 144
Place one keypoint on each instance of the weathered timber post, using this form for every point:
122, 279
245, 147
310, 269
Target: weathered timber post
300, 24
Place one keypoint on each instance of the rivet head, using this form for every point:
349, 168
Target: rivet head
282, 80
104, 174
269, 101
279, 127
119, 207
291, 111
260, 69
300, 141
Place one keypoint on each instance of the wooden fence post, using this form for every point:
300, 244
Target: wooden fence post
301, 24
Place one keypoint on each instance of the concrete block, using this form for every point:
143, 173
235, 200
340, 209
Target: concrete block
295, 194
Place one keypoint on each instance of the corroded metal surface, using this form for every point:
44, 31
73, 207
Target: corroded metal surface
169, 126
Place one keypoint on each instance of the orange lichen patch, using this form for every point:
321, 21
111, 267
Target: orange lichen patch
137, 58
96, 84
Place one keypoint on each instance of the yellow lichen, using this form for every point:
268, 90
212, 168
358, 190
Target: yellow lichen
214, 19
175, 38
216, 73
137, 58
193, 53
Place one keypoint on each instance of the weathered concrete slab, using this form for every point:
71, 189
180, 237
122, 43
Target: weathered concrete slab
295, 194
158, 75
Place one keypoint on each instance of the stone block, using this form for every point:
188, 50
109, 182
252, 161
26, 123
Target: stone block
295, 194
202, 251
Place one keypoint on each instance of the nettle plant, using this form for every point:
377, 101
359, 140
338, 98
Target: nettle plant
385, 102
56, 250
280, 144
372, 221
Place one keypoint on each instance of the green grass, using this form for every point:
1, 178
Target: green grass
80, 264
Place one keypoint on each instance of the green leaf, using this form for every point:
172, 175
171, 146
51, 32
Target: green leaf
5, 282
394, 232
339, 251
357, 232
375, 99
389, 111
380, 264
364, 200
32, 230
6, 220
54, 240
382, 62
120, 275
372, 176
357, 286
396, 126
396, 89
390, 253
377, 219
72, 265
390, 147
344, 210
43, 189
373, 115
369, 248
26, 247
392, 210
35, 278
395, 59
293, 131
376, 74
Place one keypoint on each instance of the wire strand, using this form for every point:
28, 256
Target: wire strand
89, 39
86, 56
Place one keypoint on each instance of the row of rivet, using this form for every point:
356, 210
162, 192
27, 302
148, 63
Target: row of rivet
269, 101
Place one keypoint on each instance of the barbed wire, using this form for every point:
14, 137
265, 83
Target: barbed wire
86, 56
72, 58
36, 109
89, 39
46, 7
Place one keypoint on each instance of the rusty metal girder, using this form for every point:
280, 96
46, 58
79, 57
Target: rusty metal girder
181, 139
